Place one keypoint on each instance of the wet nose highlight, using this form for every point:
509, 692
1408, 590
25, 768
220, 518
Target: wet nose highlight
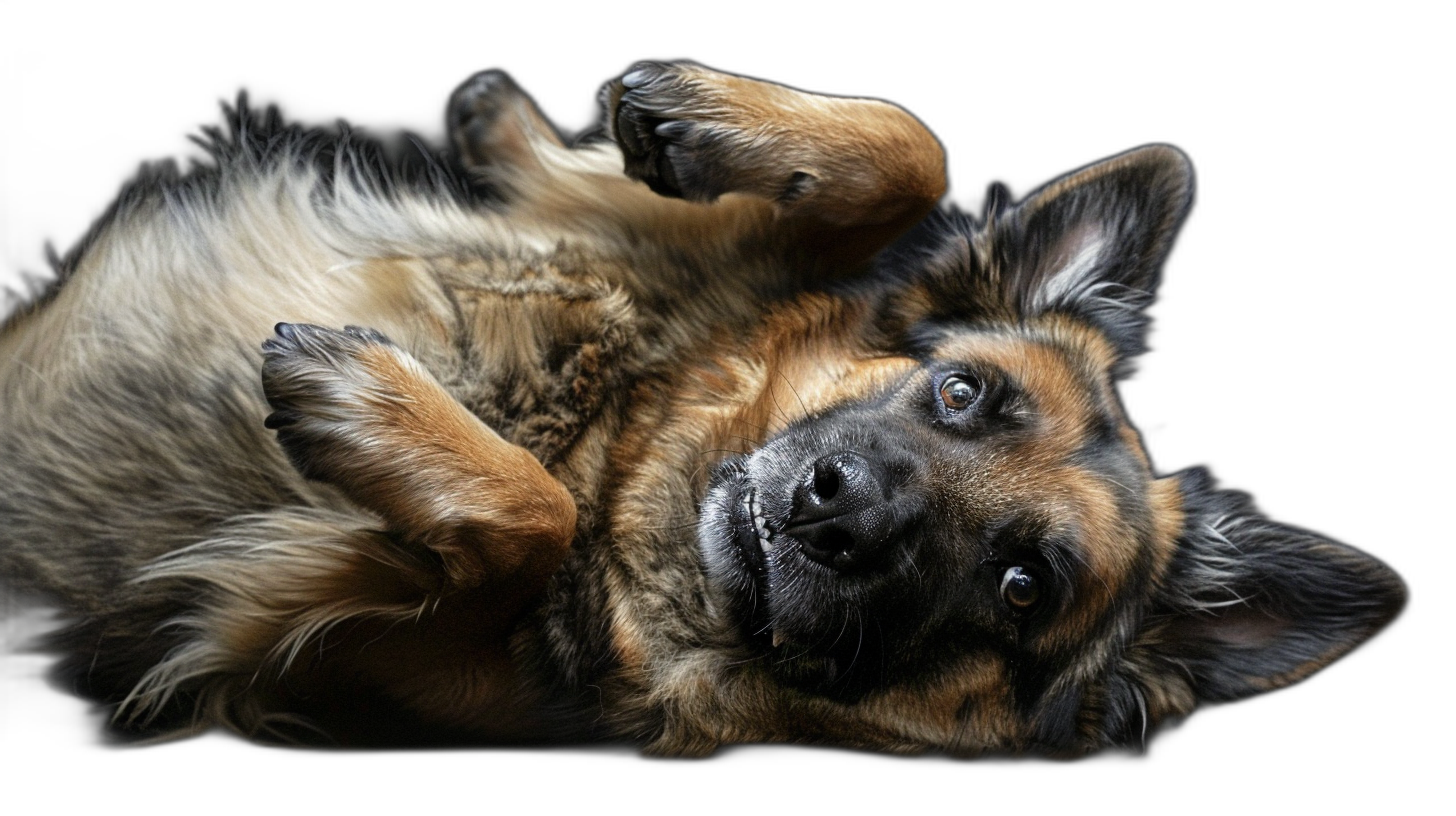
842, 511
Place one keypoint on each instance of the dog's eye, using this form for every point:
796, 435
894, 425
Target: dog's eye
958, 393
1019, 589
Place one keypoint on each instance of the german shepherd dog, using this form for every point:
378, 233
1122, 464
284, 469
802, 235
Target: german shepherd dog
750, 442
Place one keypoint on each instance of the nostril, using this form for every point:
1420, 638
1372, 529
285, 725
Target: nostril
828, 544
826, 481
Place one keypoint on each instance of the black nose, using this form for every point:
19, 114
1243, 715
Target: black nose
843, 511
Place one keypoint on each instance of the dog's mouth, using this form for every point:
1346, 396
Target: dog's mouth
738, 548
823, 626
741, 548
759, 546
751, 532
760, 527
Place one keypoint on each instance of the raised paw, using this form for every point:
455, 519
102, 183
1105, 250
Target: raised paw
492, 122
684, 131
356, 411
330, 392
833, 164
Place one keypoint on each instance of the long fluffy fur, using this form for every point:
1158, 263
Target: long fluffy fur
481, 517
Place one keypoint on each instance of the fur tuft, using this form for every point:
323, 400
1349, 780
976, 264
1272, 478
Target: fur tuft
246, 605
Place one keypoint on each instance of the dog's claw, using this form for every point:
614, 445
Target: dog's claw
279, 419
664, 135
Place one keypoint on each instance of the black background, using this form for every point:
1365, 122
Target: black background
1287, 348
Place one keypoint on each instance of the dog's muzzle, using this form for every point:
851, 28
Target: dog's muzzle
810, 554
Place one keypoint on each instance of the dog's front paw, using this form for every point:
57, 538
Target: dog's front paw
327, 389
355, 411
672, 123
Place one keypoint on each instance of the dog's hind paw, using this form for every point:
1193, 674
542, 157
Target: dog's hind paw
493, 123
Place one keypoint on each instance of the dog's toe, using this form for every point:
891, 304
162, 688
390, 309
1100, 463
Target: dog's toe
663, 123
317, 382
480, 98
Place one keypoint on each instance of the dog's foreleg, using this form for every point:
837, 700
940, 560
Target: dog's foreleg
353, 410
847, 175
831, 179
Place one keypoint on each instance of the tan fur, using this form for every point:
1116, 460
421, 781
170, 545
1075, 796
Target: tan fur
411, 453
486, 502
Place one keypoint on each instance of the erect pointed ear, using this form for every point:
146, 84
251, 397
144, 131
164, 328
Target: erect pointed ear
1090, 244
1249, 605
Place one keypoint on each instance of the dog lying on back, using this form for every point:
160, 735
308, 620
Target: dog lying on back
768, 448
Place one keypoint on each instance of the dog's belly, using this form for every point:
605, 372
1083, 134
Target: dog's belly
133, 410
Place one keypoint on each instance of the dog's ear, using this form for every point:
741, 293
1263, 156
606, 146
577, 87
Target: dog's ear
1090, 244
1250, 605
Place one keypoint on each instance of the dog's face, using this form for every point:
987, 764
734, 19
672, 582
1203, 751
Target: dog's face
962, 519
990, 497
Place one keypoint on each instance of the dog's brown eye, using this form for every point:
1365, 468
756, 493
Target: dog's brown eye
1019, 589
957, 393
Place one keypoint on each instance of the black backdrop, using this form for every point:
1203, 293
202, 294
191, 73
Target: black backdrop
1283, 340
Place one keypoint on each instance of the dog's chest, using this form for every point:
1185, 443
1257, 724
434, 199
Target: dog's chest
537, 351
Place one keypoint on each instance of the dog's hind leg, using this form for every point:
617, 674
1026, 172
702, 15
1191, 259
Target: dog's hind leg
400, 600
301, 624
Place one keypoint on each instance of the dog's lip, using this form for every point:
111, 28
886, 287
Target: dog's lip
758, 544
750, 529
760, 525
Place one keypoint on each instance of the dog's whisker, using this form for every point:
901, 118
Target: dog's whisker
802, 407
919, 577
778, 407
754, 425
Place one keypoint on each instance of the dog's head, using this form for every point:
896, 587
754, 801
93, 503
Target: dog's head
962, 518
